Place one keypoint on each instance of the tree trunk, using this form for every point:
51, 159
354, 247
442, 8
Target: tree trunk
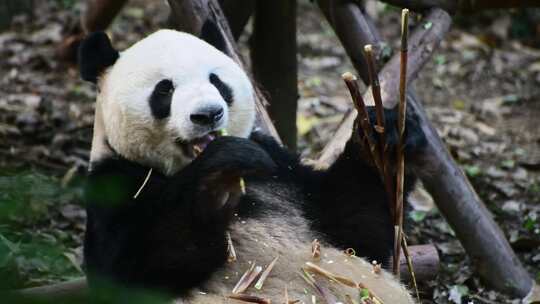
11, 8
273, 58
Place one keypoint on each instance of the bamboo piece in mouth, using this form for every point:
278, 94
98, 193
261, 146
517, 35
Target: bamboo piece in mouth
223, 132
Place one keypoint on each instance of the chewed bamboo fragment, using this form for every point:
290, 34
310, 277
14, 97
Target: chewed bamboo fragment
223, 132
230, 249
250, 298
146, 179
316, 250
323, 291
265, 273
247, 278
331, 276
376, 90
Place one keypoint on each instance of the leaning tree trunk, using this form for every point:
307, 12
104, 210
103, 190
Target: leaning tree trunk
11, 8
273, 61
482, 238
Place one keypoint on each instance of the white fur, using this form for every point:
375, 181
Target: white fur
260, 242
289, 237
187, 61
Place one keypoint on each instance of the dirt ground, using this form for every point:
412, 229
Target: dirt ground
481, 90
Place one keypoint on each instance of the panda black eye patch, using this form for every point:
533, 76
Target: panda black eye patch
160, 100
222, 87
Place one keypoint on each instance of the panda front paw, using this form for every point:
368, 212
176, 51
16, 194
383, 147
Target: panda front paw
235, 156
415, 140
219, 173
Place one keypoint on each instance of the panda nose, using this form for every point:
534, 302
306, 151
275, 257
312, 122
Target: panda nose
207, 116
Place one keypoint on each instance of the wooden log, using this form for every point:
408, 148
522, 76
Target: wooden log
422, 43
483, 240
463, 6
189, 16
472, 222
354, 32
273, 61
425, 260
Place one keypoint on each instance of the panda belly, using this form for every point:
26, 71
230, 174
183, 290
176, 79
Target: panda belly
288, 236
261, 244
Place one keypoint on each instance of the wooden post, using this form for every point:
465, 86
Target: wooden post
474, 226
273, 57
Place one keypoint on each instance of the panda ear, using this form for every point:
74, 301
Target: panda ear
211, 33
95, 55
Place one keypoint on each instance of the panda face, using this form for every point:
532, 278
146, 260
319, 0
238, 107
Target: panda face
166, 97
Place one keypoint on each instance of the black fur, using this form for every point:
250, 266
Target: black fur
211, 33
222, 87
95, 55
160, 100
172, 237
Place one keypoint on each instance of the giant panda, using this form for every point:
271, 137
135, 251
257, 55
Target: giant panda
162, 217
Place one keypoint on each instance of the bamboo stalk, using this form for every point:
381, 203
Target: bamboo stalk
400, 157
365, 124
376, 89
380, 128
410, 267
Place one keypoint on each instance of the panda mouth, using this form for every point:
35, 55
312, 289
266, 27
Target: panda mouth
196, 146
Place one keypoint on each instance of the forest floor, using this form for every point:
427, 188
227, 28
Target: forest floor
481, 90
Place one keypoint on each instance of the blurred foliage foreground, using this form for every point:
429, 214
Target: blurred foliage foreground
41, 224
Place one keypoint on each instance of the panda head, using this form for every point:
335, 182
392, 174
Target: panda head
166, 96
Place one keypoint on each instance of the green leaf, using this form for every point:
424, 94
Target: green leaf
364, 293
508, 164
440, 59
417, 215
472, 171
530, 222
